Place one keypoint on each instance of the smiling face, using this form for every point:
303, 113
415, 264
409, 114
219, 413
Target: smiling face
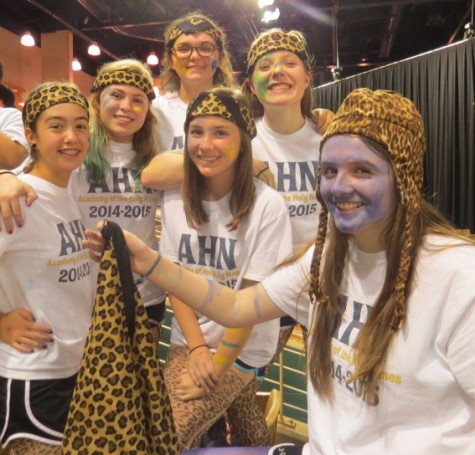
195, 68
123, 109
280, 79
213, 145
61, 137
358, 188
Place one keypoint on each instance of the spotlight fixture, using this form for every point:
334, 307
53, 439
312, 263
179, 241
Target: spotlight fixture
152, 59
27, 40
76, 65
94, 49
269, 15
336, 73
469, 31
263, 3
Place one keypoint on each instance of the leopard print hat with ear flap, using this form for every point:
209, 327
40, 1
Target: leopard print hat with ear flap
393, 121
120, 404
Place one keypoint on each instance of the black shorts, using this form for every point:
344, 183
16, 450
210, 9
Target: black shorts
156, 314
35, 409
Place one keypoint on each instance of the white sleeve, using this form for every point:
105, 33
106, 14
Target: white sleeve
11, 124
288, 288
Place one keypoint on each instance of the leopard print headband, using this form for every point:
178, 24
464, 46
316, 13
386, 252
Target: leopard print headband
192, 26
122, 77
277, 40
50, 94
224, 106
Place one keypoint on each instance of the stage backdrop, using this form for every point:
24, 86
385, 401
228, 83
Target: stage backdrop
442, 85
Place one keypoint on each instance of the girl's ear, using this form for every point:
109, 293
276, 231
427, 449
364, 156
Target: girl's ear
251, 85
308, 78
30, 136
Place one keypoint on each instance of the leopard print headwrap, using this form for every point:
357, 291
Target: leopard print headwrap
224, 106
194, 25
122, 77
49, 94
276, 40
394, 122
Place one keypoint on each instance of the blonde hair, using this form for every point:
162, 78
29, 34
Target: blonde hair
223, 75
145, 141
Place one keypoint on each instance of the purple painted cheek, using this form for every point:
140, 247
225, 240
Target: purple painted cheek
214, 65
107, 104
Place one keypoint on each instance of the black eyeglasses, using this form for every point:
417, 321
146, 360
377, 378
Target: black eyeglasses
185, 51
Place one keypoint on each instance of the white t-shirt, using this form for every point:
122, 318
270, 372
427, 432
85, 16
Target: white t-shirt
426, 399
252, 251
293, 158
45, 269
11, 124
170, 110
132, 208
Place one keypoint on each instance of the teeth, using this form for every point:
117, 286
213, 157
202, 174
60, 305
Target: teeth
208, 158
348, 205
279, 86
69, 152
123, 119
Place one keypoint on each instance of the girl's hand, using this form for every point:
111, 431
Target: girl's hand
11, 190
201, 369
186, 389
95, 243
260, 170
19, 330
322, 118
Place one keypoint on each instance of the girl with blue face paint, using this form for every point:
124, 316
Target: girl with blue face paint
387, 293
357, 187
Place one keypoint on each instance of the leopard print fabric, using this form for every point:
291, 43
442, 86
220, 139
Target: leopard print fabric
193, 418
222, 105
48, 95
393, 121
30, 447
193, 25
276, 40
120, 404
123, 77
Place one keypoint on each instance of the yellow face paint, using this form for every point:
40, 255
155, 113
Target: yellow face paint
232, 151
138, 109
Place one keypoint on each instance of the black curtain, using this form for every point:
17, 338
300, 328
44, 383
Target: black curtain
442, 85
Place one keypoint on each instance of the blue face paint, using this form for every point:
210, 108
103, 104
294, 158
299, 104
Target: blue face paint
214, 64
358, 189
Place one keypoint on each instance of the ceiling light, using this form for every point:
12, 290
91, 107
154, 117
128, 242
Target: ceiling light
263, 3
152, 59
94, 49
27, 40
76, 65
269, 15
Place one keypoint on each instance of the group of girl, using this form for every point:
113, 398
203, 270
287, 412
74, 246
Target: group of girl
368, 366
223, 223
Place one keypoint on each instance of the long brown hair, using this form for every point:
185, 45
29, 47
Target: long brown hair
243, 190
403, 237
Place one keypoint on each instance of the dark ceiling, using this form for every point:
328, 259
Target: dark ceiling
368, 33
